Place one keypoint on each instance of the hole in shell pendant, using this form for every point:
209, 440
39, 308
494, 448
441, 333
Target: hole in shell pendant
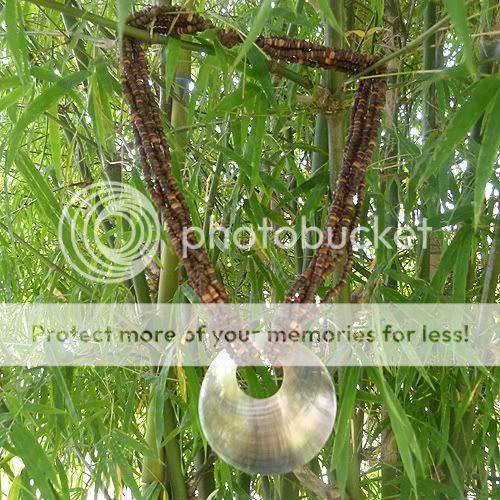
273, 435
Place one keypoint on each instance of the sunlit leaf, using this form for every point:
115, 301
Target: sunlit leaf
41, 104
38, 464
258, 23
123, 8
342, 455
329, 16
456, 10
460, 124
16, 39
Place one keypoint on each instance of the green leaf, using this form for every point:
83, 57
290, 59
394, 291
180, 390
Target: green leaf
9, 82
37, 463
241, 97
131, 443
39, 187
12, 97
460, 124
15, 489
260, 70
325, 8
16, 40
456, 10
320, 178
460, 270
61, 383
173, 54
125, 469
260, 20
271, 184
40, 105
448, 259
313, 201
254, 147
404, 433
55, 142
100, 107
341, 453
123, 9
488, 155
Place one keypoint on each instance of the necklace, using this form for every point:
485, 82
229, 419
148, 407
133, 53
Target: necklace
276, 434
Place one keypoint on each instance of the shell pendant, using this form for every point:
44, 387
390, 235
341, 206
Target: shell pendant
273, 435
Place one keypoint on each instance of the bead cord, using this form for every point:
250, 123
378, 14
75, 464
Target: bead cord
154, 151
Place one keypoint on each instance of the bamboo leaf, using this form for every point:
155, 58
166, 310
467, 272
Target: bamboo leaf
460, 124
123, 8
40, 188
403, 431
260, 20
341, 452
100, 108
16, 40
38, 465
125, 470
40, 105
62, 385
12, 97
173, 54
254, 147
488, 155
9, 82
260, 70
460, 270
55, 143
449, 257
15, 489
324, 5
132, 444
49, 204
457, 12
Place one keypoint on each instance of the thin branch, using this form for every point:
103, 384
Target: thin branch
407, 48
146, 36
45, 260
105, 22
411, 46
313, 483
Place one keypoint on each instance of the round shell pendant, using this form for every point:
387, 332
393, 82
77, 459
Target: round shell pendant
273, 435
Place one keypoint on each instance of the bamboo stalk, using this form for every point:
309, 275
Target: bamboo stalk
492, 270
431, 255
388, 210
336, 122
173, 457
152, 465
169, 275
141, 288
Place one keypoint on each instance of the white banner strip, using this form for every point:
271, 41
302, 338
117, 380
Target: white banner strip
187, 334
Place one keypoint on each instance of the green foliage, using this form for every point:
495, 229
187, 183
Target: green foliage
97, 432
329, 16
488, 154
457, 12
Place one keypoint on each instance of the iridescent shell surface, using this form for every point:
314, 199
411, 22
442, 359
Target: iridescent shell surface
272, 435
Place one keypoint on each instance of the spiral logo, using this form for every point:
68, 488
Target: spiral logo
111, 233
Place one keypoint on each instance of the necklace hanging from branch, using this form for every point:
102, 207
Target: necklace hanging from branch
343, 216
